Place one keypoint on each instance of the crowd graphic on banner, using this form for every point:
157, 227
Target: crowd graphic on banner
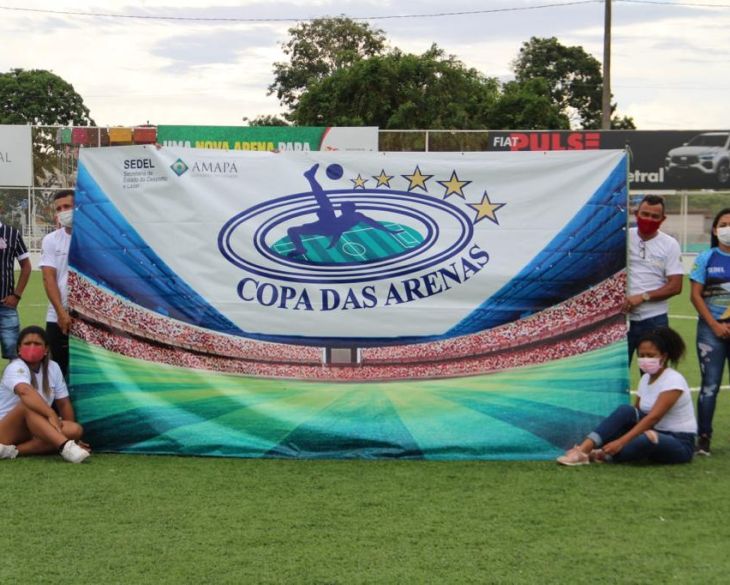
581, 324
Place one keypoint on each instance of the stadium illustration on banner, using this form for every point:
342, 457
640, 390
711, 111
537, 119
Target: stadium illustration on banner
443, 306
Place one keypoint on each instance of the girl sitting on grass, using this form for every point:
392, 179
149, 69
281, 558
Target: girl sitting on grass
660, 427
30, 385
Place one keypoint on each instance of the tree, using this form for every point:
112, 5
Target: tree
622, 123
526, 105
340, 74
400, 90
574, 78
40, 97
266, 120
319, 48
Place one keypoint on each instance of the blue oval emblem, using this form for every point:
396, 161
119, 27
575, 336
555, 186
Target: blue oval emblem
344, 236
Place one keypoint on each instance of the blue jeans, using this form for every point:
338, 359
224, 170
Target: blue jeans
670, 448
712, 352
9, 329
639, 328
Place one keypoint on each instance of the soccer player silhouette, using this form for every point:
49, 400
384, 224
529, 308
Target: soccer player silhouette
328, 224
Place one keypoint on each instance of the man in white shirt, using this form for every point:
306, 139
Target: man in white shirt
54, 266
655, 271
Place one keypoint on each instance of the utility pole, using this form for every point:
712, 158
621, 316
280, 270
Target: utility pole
606, 98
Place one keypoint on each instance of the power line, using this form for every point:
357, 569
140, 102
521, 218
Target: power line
683, 4
214, 19
291, 19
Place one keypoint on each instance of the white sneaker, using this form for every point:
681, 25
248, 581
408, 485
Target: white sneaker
8, 451
72, 453
574, 457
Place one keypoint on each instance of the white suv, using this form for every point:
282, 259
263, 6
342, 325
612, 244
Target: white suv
708, 154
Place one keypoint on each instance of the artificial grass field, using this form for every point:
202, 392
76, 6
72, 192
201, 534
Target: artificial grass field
148, 519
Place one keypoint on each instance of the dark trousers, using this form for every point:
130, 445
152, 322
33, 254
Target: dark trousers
669, 448
58, 342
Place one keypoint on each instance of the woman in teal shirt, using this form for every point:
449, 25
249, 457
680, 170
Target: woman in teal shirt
710, 295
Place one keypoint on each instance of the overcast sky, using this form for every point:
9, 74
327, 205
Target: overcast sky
670, 60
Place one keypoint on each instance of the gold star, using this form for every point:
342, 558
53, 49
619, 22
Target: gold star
359, 182
454, 186
486, 209
417, 180
383, 179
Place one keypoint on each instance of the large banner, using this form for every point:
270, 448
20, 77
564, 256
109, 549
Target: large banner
270, 138
16, 156
660, 159
347, 304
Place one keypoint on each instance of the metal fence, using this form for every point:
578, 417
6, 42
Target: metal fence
56, 153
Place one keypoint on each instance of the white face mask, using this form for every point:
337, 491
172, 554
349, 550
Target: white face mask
66, 218
650, 365
723, 234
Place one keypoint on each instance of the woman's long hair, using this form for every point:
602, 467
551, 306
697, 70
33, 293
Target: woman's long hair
40, 332
714, 240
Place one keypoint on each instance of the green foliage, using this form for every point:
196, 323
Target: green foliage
40, 97
319, 48
445, 141
266, 120
401, 141
339, 73
526, 105
13, 206
573, 77
403, 91
622, 123
574, 81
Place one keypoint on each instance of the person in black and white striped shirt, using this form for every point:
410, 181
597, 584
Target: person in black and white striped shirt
12, 247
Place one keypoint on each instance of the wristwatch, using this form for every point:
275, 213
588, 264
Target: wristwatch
645, 296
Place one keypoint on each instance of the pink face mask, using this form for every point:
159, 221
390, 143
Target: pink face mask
650, 365
32, 353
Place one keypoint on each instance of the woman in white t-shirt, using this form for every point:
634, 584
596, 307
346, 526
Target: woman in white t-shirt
30, 386
661, 426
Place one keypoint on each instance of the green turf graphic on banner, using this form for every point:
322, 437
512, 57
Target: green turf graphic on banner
131, 405
360, 244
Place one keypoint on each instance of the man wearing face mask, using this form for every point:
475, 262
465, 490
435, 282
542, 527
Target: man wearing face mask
54, 265
655, 271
